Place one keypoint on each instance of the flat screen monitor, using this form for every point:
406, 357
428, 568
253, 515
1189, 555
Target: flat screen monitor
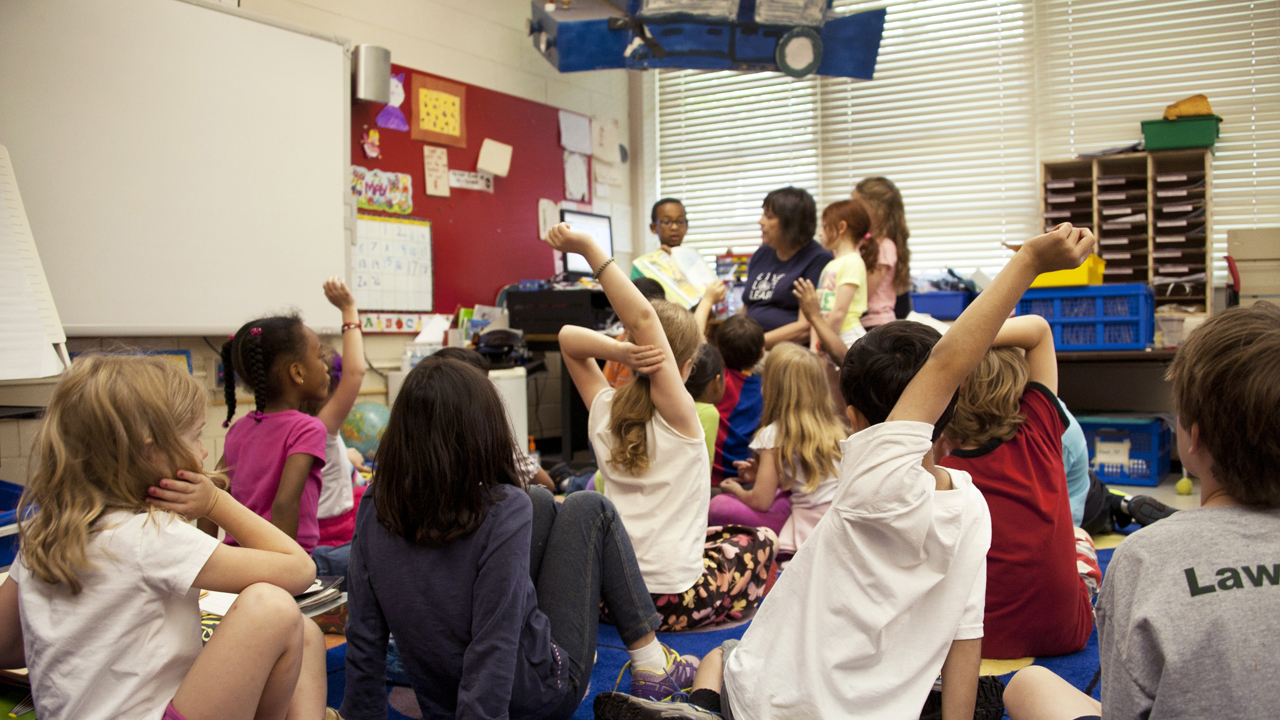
598, 227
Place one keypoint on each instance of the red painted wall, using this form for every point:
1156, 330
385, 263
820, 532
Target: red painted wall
480, 241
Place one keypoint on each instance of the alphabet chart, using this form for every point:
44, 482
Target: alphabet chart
391, 264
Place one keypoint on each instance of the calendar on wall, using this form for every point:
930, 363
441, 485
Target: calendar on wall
391, 265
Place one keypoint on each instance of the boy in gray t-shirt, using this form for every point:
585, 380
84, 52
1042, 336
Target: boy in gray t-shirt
1187, 614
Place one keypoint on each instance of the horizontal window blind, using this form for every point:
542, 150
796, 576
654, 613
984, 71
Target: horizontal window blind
1104, 66
725, 139
948, 119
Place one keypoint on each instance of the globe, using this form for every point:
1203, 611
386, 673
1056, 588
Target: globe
363, 428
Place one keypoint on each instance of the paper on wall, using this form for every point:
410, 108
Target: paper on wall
576, 182
575, 132
604, 139
548, 217
607, 173
601, 208
495, 158
464, 180
435, 161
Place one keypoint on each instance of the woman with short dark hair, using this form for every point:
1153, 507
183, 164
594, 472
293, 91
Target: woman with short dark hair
788, 252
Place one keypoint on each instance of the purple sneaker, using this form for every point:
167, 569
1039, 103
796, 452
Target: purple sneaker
677, 677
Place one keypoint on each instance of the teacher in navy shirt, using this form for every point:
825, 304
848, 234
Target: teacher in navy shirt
789, 253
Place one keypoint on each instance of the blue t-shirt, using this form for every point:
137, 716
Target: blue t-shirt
768, 294
1075, 460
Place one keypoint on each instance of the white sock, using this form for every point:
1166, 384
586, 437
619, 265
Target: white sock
650, 657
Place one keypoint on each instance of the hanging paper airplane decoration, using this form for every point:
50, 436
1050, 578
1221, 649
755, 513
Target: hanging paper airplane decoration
796, 37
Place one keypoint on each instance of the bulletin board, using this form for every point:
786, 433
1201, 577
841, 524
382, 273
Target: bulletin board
480, 241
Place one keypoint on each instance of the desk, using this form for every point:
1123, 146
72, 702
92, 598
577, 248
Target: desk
573, 412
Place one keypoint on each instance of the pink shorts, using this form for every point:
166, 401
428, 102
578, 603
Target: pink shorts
172, 714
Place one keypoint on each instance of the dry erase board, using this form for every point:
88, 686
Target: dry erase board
391, 264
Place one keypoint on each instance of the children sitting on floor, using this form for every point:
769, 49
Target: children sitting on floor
102, 603
492, 592
1007, 434
888, 591
797, 449
740, 340
1186, 615
652, 454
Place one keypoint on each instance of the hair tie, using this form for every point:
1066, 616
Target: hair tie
226, 423
867, 236
257, 416
255, 331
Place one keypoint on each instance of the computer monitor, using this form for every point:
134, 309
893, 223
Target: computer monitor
598, 227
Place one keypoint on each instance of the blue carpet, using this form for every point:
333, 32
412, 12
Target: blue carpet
1077, 669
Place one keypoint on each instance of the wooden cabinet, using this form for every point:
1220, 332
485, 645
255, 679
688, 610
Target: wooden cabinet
1152, 213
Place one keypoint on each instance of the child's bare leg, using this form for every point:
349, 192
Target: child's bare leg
250, 666
711, 672
312, 687
1036, 693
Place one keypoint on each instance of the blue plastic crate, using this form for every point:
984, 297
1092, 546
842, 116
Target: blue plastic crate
9, 496
942, 304
1095, 317
1136, 450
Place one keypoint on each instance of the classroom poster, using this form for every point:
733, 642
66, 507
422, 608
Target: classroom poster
439, 111
383, 191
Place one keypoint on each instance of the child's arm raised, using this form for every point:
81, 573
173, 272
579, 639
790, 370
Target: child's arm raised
666, 386
1033, 334
962, 348
344, 396
714, 293
266, 554
580, 348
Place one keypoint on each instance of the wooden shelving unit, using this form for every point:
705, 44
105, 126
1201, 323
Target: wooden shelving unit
1152, 213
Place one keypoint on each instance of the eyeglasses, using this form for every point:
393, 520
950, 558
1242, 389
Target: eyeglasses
674, 223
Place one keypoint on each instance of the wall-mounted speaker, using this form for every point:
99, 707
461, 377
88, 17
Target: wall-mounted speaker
371, 70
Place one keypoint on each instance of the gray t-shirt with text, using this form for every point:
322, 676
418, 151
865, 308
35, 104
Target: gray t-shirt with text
1189, 618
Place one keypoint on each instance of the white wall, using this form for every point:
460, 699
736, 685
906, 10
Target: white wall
481, 42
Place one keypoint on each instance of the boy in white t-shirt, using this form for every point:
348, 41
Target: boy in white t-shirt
888, 591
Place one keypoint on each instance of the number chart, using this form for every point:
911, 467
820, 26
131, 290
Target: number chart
391, 265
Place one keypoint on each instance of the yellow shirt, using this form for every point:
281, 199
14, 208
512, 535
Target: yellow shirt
847, 270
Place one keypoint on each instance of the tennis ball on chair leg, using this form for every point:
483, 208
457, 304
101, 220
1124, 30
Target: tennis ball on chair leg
1184, 486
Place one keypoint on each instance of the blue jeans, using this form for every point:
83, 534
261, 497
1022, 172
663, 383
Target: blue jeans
581, 554
332, 560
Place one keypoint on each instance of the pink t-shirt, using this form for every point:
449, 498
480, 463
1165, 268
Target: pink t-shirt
880, 300
255, 453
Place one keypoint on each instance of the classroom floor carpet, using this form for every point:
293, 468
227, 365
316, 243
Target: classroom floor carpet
1078, 668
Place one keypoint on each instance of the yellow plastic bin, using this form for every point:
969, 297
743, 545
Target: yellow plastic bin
1089, 273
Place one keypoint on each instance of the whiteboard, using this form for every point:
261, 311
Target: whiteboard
391, 265
184, 168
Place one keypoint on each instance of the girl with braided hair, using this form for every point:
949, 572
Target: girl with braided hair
273, 456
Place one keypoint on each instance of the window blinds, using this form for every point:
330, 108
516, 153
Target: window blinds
968, 97
1105, 65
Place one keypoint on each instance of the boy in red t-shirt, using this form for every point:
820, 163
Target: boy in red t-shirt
1007, 433
740, 341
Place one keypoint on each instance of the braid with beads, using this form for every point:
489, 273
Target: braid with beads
229, 380
254, 353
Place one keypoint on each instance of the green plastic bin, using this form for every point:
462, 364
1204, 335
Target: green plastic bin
1200, 131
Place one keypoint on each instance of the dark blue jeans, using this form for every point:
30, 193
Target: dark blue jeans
581, 554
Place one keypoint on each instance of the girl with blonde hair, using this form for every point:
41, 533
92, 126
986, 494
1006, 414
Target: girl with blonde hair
652, 454
797, 452
102, 603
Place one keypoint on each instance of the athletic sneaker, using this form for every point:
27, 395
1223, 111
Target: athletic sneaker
675, 678
616, 706
1145, 509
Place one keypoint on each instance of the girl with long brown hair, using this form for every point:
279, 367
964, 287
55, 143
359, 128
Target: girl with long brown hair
652, 454
108, 579
890, 279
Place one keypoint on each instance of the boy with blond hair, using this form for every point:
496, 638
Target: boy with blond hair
888, 590
1187, 612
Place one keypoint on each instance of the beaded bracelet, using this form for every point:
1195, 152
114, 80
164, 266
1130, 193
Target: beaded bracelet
350, 326
596, 276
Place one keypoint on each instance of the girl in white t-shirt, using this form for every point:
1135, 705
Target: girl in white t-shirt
652, 455
102, 605
797, 448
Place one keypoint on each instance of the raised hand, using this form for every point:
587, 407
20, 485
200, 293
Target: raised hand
715, 292
338, 294
805, 293
1063, 248
565, 239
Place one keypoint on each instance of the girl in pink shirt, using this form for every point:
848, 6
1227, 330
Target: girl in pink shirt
273, 455
891, 275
